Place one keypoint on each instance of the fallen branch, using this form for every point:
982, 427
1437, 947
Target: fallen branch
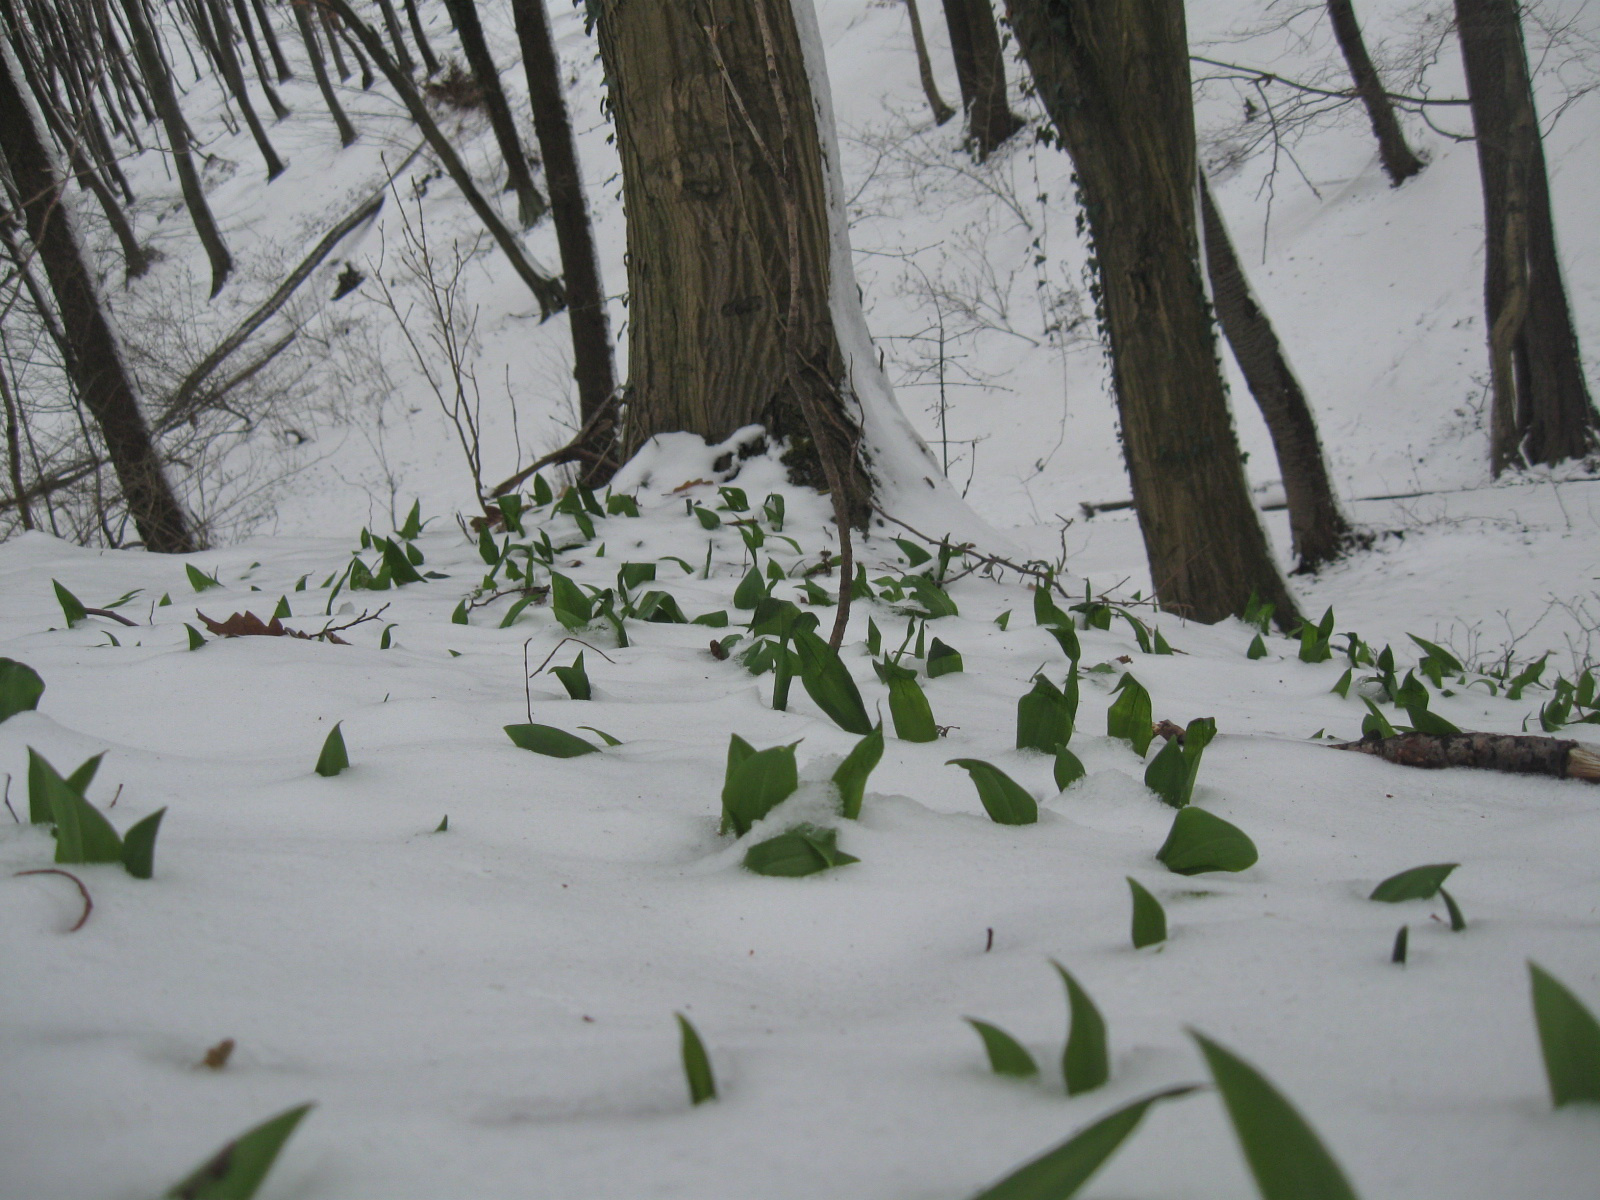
1518, 754
88, 904
575, 449
115, 616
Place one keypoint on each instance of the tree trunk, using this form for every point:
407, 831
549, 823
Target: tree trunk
429, 63
1399, 162
547, 291
1319, 529
159, 81
530, 204
580, 267
1541, 411
391, 22
14, 452
233, 76
319, 71
942, 112
247, 26
728, 246
271, 36
102, 380
1115, 81
981, 72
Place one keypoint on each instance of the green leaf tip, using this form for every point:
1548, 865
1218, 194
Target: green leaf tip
1569, 1039
1005, 800
333, 758
237, 1170
550, 741
1149, 918
1418, 883
696, 1063
803, 850
1007, 1056
1086, 1061
20, 688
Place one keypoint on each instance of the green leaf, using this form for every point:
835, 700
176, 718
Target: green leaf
708, 519
1569, 1038
1424, 721
1200, 841
828, 683
915, 554
1129, 715
1258, 648
756, 784
515, 611
511, 507
236, 1171
71, 607
751, 591
43, 781
913, 715
851, 775
943, 660
1342, 688
1285, 1155
1045, 717
1005, 800
571, 605
83, 835
696, 1064
1045, 610
715, 620
1086, 1062
548, 740
574, 678
1443, 657
400, 568
1003, 620
1171, 773
930, 600
803, 850
1419, 883
1149, 918
1375, 722
622, 506
384, 641
542, 494
444, 824
459, 616
413, 524
631, 574
139, 845
1457, 921
602, 735
20, 688
198, 580
1058, 1174
333, 758
1006, 1055
1068, 769
1401, 940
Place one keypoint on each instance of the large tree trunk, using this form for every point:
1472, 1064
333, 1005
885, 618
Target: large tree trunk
1319, 529
101, 379
580, 267
1115, 81
728, 240
942, 112
1400, 163
156, 77
981, 72
530, 204
1540, 411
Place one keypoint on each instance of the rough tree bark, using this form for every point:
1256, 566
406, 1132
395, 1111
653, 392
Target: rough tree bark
1115, 82
530, 204
100, 377
728, 247
1400, 163
319, 71
1319, 529
942, 112
580, 266
1540, 410
981, 71
159, 82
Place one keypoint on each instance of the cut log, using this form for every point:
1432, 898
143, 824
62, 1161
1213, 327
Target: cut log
1519, 754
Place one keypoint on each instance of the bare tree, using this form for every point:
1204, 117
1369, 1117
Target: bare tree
1541, 411
94, 360
942, 112
1115, 82
981, 71
1400, 162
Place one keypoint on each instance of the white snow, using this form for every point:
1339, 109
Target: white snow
487, 1011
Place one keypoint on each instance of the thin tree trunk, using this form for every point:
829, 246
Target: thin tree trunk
546, 290
319, 70
159, 81
414, 19
242, 10
1115, 82
102, 380
233, 76
569, 211
942, 112
530, 204
14, 452
1400, 163
391, 22
719, 303
332, 35
981, 72
1319, 529
1540, 410
271, 36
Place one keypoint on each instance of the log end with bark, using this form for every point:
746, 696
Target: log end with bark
1516, 754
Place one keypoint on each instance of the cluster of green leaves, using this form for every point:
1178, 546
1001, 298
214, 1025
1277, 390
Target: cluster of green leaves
1171, 773
1085, 1060
82, 832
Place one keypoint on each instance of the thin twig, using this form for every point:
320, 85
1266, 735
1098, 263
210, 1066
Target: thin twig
552, 654
88, 904
115, 616
330, 630
7, 798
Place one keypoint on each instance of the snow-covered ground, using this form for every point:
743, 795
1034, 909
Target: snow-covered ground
488, 1011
